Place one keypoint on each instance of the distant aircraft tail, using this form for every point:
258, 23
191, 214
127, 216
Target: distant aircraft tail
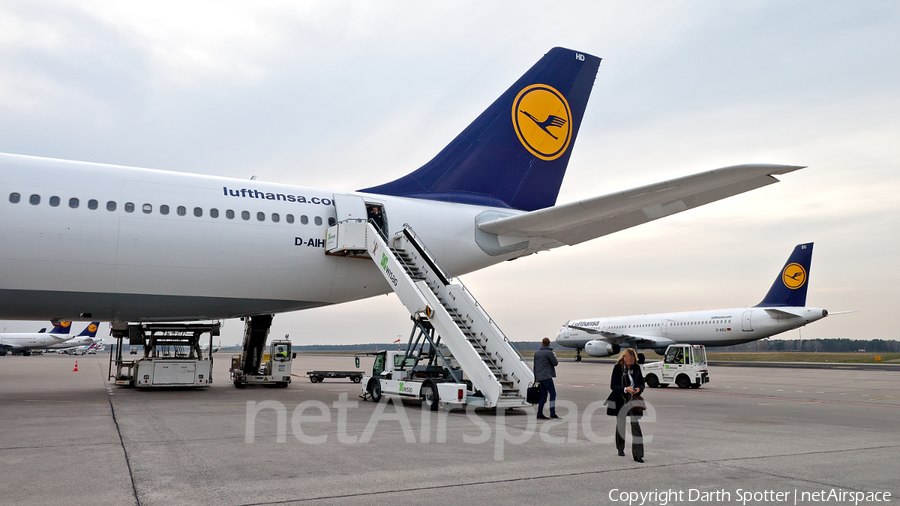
515, 153
789, 288
61, 328
90, 330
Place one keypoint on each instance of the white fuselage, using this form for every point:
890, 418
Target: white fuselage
75, 341
113, 255
718, 327
32, 340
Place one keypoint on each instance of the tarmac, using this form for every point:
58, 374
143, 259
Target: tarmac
761, 435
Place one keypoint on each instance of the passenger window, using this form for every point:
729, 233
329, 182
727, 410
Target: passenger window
318, 220
261, 216
213, 213
304, 220
229, 214
14, 197
198, 212
147, 208
129, 207
35, 200
54, 201
245, 215
163, 209
275, 217
73, 203
289, 218
181, 210
110, 206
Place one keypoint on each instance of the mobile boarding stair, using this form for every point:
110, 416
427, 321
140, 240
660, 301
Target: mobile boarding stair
465, 333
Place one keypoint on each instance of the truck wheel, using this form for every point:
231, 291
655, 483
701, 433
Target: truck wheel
356, 379
375, 390
652, 381
430, 397
238, 384
682, 381
282, 384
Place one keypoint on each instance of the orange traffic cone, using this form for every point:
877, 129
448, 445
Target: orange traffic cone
76, 367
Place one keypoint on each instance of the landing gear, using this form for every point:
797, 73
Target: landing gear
641, 358
578, 354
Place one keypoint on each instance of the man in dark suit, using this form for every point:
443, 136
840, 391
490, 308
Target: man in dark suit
544, 371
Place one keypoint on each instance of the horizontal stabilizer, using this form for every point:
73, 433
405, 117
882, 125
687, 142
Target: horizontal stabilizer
781, 313
591, 218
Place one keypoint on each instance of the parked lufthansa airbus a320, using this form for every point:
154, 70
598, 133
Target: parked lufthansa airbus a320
109, 243
782, 309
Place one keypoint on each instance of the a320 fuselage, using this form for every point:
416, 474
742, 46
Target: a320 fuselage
723, 327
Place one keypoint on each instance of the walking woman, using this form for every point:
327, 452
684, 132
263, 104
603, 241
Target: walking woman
626, 382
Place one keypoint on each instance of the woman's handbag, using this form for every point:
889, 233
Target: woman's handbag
533, 394
637, 403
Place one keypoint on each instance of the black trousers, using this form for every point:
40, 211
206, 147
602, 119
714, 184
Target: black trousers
637, 437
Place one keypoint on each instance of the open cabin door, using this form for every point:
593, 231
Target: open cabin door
349, 207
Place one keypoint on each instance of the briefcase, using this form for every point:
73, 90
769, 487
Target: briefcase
533, 394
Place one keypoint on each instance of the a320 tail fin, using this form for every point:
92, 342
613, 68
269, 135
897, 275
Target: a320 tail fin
516, 152
90, 330
789, 288
62, 327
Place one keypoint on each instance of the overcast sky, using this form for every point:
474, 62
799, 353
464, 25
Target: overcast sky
347, 95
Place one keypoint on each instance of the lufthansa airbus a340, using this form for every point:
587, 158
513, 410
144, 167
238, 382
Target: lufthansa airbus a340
100, 242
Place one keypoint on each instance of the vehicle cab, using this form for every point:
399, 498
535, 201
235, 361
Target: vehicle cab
683, 364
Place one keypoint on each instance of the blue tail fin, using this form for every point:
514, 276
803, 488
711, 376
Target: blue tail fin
62, 327
789, 288
90, 330
516, 152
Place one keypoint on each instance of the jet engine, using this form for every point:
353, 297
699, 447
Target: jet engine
598, 348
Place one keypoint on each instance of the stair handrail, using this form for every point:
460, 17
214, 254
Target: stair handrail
431, 261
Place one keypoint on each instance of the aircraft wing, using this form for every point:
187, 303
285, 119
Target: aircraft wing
639, 341
588, 219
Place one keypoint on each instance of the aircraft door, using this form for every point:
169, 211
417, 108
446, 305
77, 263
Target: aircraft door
375, 213
665, 328
746, 326
349, 207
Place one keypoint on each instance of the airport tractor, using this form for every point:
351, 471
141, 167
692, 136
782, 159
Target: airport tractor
272, 368
683, 364
456, 354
